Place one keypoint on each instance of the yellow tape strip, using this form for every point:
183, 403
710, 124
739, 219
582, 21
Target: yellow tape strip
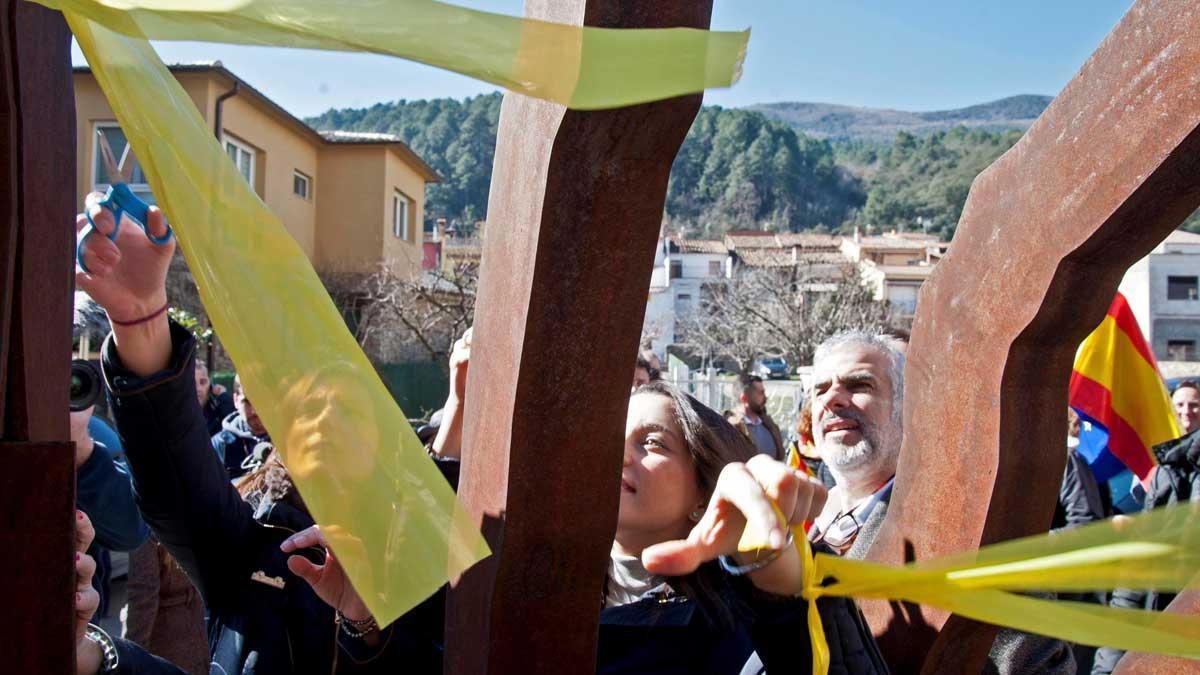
391, 518
582, 68
1157, 550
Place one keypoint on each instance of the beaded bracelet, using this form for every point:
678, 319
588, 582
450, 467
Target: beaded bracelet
736, 570
357, 629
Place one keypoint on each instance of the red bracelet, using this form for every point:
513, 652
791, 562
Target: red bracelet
144, 319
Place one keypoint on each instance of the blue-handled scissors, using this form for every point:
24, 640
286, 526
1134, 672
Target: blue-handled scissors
119, 199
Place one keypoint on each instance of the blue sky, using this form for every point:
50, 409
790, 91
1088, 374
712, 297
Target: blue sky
925, 55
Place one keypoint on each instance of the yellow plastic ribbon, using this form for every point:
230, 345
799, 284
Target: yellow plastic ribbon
581, 67
1159, 550
390, 516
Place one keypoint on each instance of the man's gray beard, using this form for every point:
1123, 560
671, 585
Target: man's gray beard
866, 452
845, 458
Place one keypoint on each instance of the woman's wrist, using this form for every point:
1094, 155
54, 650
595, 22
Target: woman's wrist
355, 611
89, 657
144, 346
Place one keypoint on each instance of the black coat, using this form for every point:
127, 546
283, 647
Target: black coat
185, 496
668, 634
1176, 480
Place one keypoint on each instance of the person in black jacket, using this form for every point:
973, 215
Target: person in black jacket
215, 401
1176, 480
242, 435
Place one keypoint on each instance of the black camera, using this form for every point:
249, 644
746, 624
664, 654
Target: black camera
85, 385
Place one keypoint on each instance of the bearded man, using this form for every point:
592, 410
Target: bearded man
857, 422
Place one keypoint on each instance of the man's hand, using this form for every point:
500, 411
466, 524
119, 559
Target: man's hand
746, 495
80, 436
328, 581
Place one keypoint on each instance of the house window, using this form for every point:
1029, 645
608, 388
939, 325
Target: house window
1181, 350
243, 158
400, 215
676, 269
1182, 288
301, 185
683, 301
714, 268
124, 156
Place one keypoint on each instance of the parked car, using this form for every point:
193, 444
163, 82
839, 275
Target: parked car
770, 368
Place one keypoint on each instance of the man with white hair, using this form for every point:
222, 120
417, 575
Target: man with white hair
857, 420
857, 405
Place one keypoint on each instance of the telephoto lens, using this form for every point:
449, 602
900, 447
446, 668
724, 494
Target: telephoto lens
85, 385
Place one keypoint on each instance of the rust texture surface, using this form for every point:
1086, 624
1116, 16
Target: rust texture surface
37, 170
573, 217
1104, 175
1136, 663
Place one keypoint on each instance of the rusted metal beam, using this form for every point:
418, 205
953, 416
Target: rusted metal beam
1104, 175
1137, 663
37, 177
574, 213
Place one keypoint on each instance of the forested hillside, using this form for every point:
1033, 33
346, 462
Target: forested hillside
737, 169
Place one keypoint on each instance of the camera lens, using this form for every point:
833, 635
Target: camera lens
85, 386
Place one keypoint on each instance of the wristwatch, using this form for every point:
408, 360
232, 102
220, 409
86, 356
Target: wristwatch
107, 647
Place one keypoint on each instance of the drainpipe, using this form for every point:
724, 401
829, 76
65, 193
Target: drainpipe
237, 86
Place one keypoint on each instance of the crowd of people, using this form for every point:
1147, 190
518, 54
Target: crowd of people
229, 573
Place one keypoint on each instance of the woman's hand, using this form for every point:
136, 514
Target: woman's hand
328, 581
88, 655
127, 277
746, 495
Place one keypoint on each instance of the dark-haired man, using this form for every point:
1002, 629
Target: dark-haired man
751, 418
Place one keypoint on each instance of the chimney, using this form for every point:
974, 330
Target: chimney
440, 232
795, 255
857, 235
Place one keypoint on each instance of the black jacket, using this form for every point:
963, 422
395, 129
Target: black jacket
229, 548
1176, 480
1079, 500
235, 442
187, 499
663, 634
216, 409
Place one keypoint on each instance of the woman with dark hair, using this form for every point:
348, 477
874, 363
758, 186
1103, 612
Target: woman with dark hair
678, 596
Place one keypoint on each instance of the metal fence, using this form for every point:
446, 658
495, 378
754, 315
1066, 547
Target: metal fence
721, 392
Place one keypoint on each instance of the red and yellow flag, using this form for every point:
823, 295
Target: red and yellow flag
1116, 386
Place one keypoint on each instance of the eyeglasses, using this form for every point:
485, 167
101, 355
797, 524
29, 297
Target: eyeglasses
841, 533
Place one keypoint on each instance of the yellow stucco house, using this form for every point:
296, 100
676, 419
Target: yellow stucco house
352, 201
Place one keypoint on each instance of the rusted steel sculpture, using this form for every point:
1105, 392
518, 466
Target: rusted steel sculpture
1133, 663
1104, 175
37, 202
573, 216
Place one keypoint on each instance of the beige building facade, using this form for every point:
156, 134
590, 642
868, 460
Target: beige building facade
352, 201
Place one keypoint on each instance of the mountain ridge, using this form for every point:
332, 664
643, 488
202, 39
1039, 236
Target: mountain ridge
835, 121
